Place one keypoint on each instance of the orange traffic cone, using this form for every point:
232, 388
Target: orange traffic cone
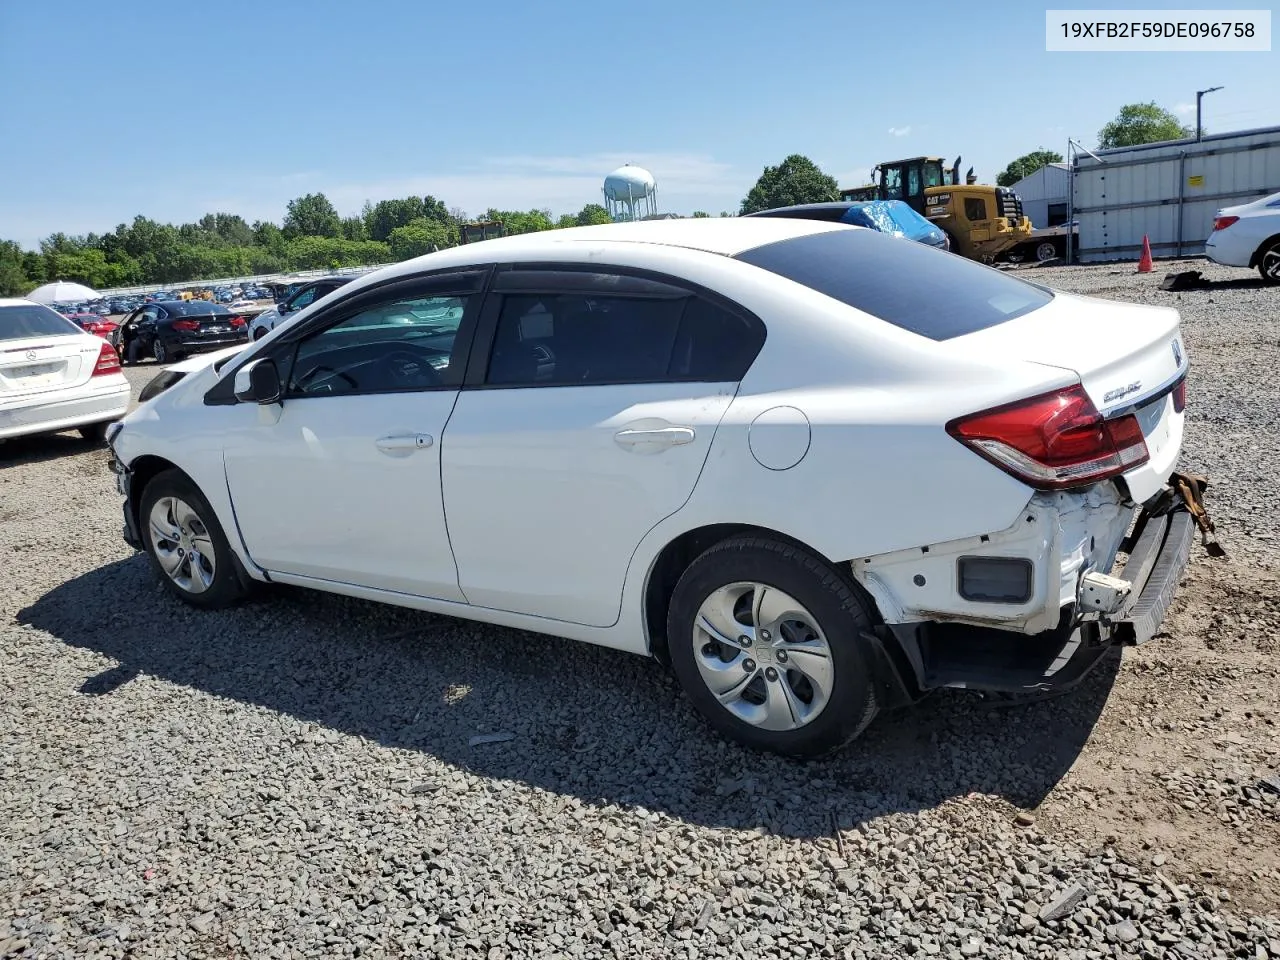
1144, 264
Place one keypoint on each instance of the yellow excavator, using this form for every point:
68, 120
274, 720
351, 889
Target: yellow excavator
982, 221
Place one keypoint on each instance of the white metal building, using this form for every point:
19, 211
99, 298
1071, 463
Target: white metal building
1168, 191
1044, 195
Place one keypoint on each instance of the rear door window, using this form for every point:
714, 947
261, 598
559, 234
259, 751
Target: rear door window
910, 285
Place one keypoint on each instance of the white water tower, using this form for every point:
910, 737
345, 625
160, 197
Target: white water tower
630, 193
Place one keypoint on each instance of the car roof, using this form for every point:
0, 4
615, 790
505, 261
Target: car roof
189, 307
19, 302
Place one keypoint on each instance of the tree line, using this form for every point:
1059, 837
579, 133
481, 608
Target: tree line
312, 236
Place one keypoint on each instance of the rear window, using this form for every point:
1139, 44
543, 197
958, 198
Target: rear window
910, 285
17, 322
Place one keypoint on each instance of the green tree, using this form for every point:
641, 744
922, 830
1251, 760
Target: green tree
698, 214
530, 221
14, 281
418, 237
268, 236
386, 215
353, 228
1139, 123
566, 220
1026, 165
796, 180
591, 215
311, 216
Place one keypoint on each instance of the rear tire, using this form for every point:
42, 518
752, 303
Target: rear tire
95, 433
1269, 263
1045, 251
795, 679
160, 351
259, 333
186, 545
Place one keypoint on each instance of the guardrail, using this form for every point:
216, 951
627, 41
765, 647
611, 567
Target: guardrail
239, 281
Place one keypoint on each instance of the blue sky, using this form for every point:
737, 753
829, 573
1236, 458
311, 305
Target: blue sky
177, 109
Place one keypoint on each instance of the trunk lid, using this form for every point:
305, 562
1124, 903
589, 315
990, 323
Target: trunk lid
1126, 355
39, 364
211, 325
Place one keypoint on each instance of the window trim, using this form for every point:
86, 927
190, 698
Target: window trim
471, 281
498, 290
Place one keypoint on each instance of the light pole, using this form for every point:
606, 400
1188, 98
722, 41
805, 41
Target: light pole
1199, 96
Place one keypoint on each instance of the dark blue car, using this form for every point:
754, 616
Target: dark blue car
887, 216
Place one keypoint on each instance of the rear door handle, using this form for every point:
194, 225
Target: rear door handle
404, 443
658, 436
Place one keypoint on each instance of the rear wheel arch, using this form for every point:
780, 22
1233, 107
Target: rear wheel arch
674, 559
1262, 248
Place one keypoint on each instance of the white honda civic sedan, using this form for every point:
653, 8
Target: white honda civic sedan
54, 376
817, 470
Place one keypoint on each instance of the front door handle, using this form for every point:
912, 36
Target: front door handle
403, 443
655, 437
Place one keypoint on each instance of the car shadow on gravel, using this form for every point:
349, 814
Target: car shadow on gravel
600, 725
21, 451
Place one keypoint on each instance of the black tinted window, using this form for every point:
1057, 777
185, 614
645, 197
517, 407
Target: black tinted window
21, 321
975, 208
910, 285
560, 339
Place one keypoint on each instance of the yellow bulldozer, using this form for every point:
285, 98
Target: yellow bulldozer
982, 221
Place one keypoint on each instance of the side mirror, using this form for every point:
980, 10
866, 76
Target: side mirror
258, 382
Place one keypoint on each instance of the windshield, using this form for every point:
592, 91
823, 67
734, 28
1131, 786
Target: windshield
910, 285
22, 320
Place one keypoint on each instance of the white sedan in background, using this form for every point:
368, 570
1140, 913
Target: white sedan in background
54, 376
816, 470
1248, 235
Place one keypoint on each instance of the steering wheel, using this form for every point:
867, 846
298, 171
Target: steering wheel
411, 369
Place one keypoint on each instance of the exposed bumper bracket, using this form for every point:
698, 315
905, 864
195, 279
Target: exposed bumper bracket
1157, 562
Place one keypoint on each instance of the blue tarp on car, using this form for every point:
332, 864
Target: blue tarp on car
894, 217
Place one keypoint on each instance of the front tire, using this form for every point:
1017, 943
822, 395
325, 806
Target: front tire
259, 333
185, 542
766, 640
1269, 263
1046, 250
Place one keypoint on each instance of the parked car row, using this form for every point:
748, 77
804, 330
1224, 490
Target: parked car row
819, 470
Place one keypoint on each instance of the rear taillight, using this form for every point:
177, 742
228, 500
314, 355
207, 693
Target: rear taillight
1054, 440
1221, 223
186, 325
237, 322
1180, 396
108, 360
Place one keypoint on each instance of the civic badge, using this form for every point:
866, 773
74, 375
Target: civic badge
31, 354
1177, 353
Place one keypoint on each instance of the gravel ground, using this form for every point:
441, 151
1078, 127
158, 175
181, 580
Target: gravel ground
296, 778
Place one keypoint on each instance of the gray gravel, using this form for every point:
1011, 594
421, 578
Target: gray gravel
312, 776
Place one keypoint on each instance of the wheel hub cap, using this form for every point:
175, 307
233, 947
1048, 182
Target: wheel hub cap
182, 545
763, 656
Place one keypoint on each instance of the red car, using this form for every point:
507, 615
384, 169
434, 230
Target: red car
97, 325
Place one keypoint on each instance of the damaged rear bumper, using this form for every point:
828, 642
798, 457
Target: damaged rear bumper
965, 652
